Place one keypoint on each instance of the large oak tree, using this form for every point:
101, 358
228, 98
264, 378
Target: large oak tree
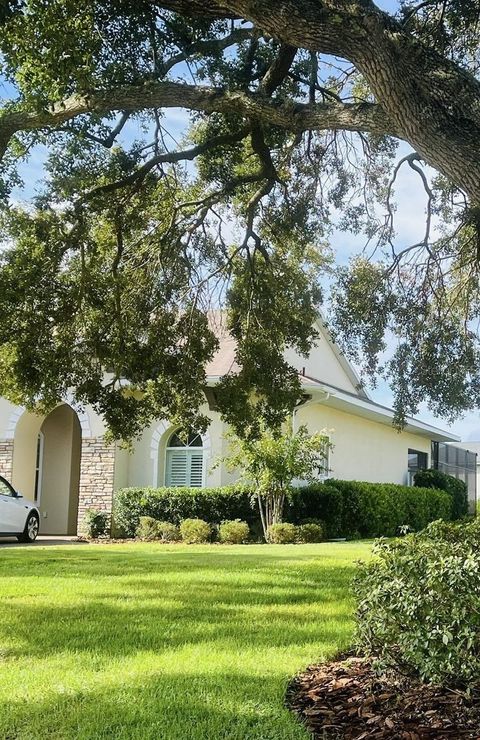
295, 110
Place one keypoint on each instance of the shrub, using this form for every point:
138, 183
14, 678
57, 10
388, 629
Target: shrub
234, 532
318, 501
151, 529
358, 509
419, 603
195, 531
345, 508
457, 489
309, 532
96, 523
147, 528
175, 504
282, 534
168, 532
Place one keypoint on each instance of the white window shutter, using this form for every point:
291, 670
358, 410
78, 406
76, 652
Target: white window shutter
196, 469
177, 473
184, 461
185, 468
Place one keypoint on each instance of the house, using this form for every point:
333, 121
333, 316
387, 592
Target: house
63, 462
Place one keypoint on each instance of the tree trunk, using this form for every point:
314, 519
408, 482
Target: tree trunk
262, 517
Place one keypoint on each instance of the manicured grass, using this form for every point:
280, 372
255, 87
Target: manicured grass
166, 642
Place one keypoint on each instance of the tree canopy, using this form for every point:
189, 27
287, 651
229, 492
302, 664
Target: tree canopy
295, 111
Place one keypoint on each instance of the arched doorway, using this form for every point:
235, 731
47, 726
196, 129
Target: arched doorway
46, 466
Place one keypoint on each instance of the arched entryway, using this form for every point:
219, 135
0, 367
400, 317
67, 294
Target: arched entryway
46, 466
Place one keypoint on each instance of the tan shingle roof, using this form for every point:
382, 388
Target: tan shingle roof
223, 361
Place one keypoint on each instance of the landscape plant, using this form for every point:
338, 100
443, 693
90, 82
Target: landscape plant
233, 532
418, 604
177, 503
309, 532
271, 462
344, 508
153, 529
96, 522
195, 531
457, 488
282, 533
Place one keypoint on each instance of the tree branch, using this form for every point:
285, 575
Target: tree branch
166, 158
207, 47
431, 98
278, 70
366, 117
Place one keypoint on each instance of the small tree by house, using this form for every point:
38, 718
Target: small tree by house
272, 461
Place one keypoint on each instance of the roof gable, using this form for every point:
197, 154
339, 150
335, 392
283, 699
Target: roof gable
325, 362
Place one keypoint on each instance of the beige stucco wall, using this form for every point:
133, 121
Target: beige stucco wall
145, 465
61, 470
24, 453
6, 409
322, 364
363, 449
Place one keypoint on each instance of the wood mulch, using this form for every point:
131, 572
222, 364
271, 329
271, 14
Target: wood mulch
347, 700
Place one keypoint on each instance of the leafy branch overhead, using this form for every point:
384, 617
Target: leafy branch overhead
292, 113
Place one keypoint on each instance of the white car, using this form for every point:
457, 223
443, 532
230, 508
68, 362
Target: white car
18, 517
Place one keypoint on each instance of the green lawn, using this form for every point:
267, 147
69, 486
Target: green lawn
151, 641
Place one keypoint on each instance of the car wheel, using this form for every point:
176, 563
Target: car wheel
30, 532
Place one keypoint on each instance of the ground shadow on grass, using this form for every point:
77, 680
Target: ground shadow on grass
164, 644
154, 615
233, 706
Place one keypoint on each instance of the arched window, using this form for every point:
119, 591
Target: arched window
184, 463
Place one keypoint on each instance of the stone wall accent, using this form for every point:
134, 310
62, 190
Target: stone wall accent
97, 471
6, 458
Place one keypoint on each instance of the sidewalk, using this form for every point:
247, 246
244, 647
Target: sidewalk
41, 541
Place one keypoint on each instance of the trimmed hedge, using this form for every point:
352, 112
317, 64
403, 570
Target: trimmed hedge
457, 489
349, 509
214, 505
356, 509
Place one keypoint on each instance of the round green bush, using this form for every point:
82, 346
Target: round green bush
419, 604
147, 528
195, 531
233, 532
310, 532
96, 523
168, 532
282, 534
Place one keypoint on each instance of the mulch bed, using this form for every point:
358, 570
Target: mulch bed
347, 700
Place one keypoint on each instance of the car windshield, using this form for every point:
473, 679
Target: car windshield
5, 488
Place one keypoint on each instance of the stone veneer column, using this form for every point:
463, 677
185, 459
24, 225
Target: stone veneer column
97, 469
6, 458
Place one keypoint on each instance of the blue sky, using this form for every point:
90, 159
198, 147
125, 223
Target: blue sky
409, 224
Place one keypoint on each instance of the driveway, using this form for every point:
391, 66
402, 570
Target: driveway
41, 541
